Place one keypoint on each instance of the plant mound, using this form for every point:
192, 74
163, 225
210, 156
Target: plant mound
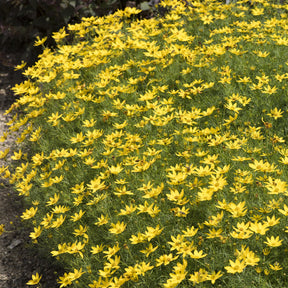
152, 152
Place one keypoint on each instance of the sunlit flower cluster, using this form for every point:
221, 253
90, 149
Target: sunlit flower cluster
153, 150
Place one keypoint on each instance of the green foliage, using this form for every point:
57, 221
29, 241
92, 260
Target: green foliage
153, 152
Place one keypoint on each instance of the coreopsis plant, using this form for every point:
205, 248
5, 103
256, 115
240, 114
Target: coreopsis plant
152, 152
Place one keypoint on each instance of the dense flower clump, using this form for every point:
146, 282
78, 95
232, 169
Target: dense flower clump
152, 152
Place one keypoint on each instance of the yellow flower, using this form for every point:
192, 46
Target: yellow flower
89, 123
77, 216
37, 232
29, 213
128, 210
241, 231
122, 191
261, 54
205, 194
262, 166
53, 200
237, 210
76, 274
266, 272
281, 77
115, 169
39, 41
186, 248
232, 107
150, 249
256, 11
272, 221
144, 267
165, 259
38, 159
203, 171
140, 238
97, 249
62, 248
76, 247
60, 209
58, 222
20, 66
59, 35
214, 220
35, 279
81, 231
213, 233
245, 79
199, 276
64, 280
176, 178
178, 276
190, 231
151, 232
207, 19
111, 251
276, 266
153, 192
2, 229
214, 276
131, 273
96, 185
275, 113
276, 139
269, 90
273, 242
78, 138
258, 269
117, 228
176, 242
283, 160
197, 254
235, 267
284, 211
259, 228
177, 197
17, 155
276, 186
112, 263
102, 220
180, 212
217, 182
54, 118
47, 220
248, 256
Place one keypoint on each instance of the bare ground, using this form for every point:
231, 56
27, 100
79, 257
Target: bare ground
19, 259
